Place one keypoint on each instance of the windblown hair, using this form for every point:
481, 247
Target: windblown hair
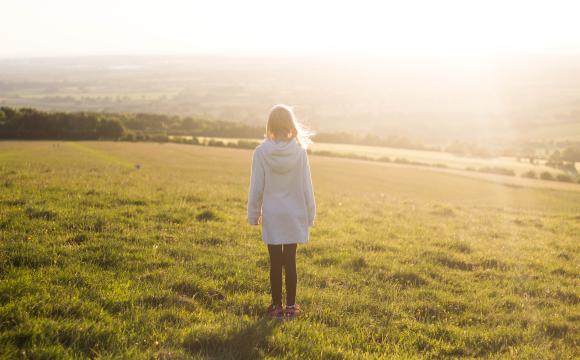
282, 124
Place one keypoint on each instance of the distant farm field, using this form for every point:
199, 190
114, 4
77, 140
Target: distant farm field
440, 158
433, 157
100, 257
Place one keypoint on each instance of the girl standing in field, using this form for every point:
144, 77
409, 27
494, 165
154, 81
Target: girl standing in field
281, 199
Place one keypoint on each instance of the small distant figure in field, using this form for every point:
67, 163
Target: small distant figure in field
281, 199
137, 166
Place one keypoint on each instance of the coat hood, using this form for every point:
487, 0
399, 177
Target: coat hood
281, 156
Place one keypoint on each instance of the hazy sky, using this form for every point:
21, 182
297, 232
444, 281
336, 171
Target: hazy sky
264, 27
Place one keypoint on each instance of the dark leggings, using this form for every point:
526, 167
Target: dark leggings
283, 256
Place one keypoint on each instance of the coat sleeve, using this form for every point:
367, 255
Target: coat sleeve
309, 192
256, 191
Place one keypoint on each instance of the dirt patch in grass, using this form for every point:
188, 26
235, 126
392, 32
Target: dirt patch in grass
78, 239
207, 215
369, 246
211, 241
191, 288
494, 264
42, 214
459, 246
443, 211
132, 202
452, 262
567, 297
555, 329
357, 264
407, 279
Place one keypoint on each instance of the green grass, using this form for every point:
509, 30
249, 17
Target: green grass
99, 259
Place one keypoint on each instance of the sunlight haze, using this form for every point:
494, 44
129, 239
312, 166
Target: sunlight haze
443, 28
259, 179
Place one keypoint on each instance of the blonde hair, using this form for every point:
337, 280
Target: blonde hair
282, 124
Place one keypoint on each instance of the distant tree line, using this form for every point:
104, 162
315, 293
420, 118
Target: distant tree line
33, 124
28, 123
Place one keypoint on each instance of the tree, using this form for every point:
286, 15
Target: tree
110, 129
8, 112
571, 154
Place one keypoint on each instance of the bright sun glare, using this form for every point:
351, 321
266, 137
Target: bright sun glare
445, 28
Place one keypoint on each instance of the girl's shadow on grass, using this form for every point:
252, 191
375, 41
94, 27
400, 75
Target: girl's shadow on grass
240, 344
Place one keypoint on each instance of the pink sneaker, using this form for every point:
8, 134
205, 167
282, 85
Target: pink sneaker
275, 312
292, 312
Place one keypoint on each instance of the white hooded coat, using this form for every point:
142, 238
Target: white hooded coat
281, 192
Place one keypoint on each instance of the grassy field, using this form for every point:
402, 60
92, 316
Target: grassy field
100, 259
